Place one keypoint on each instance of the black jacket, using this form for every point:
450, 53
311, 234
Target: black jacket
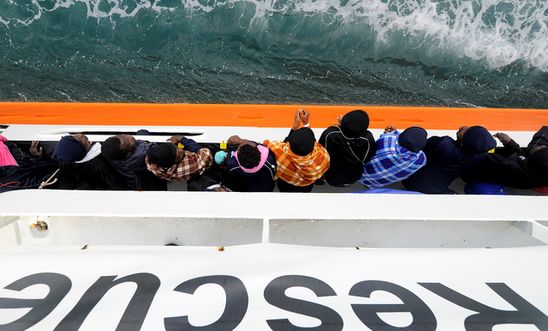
446, 161
347, 155
261, 181
95, 174
507, 167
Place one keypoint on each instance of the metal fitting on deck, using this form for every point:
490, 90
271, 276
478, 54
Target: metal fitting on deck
39, 225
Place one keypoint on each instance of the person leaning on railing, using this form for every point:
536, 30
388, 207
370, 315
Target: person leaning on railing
512, 166
301, 160
350, 146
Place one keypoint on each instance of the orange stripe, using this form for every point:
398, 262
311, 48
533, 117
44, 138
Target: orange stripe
434, 118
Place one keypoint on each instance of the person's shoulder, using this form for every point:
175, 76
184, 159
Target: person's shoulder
389, 137
330, 129
441, 141
369, 136
330, 133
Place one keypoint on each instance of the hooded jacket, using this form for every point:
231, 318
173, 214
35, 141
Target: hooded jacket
446, 161
347, 155
260, 181
513, 167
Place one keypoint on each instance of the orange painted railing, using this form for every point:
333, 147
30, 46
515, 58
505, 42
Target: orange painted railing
434, 118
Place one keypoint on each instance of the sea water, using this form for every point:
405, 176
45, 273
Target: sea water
422, 52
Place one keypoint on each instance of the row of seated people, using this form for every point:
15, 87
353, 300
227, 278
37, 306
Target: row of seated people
345, 153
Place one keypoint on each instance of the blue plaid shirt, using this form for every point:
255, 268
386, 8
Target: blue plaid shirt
392, 163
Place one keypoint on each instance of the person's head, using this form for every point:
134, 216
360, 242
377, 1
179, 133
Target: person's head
302, 141
477, 140
538, 160
83, 139
70, 149
354, 124
162, 155
249, 156
460, 133
413, 139
118, 147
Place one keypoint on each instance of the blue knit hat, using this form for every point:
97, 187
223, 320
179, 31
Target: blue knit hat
413, 139
69, 150
477, 140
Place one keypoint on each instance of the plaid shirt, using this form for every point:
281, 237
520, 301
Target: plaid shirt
299, 170
391, 163
192, 164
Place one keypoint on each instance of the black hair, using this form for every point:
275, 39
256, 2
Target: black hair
163, 155
249, 156
112, 149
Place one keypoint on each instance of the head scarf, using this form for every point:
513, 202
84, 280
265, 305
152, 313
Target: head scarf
264, 155
354, 124
413, 139
302, 141
69, 150
477, 140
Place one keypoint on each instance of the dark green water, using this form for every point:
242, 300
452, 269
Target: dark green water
424, 52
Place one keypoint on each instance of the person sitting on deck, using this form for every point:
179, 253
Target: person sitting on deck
177, 163
449, 159
511, 166
350, 146
251, 167
25, 168
127, 155
398, 156
300, 159
82, 166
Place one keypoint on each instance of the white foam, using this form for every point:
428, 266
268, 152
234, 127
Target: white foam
516, 29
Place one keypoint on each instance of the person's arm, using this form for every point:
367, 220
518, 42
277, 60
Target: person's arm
189, 144
323, 137
36, 149
389, 128
237, 141
510, 146
204, 160
301, 119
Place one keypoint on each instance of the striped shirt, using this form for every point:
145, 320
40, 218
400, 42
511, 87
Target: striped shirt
192, 164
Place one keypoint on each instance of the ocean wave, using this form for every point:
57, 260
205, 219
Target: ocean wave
493, 32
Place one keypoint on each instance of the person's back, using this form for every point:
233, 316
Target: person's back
445, 164
301, 161
350, 145
448, 159
398, 156
252, 168
511, 166
178, 163
127, 155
